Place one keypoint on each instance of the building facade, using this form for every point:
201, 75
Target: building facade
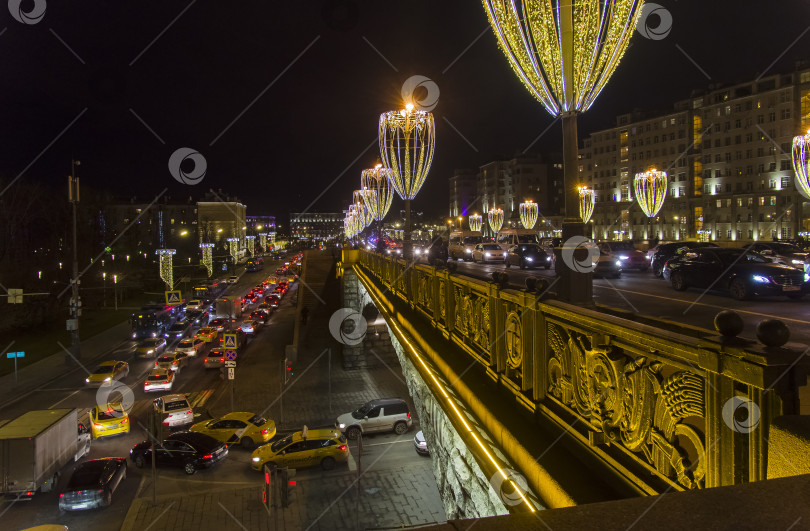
316, 226
727, 153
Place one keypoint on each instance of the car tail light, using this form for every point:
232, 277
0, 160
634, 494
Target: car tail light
125, 420
174, 362
189, 412
156, 364
205, 360
168, 381
61, 495
409, 414
208, 456
222, 359
342, 447
166, 422
100, 491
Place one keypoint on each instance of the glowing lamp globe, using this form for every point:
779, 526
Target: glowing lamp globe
586, 203
476, 222
495, 216
528, 214
651, 191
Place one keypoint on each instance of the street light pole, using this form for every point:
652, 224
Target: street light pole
75, 301
115, 291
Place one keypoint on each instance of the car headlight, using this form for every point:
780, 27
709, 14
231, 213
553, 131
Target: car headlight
154, 334
417, 251
107, 379
257, 459
87, 380
529, 259
806, 277
342, 426
150, 351
468, 251
133, 336
648, 257
619, 263
797, 262
762, 279
548, 259
487, 254
622, 257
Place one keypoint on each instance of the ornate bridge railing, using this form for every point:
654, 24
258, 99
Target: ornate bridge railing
664, 410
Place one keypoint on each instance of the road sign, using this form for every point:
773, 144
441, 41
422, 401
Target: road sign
229, 341
230, 364
10, 355
230, 355
174, 297
231, 373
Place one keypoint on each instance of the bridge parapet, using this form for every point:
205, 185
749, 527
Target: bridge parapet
662, 409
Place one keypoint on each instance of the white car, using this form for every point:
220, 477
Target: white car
195, 304
159, 380
190, 346
233, 279
174, 410
488, 252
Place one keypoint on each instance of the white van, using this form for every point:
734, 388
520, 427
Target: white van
462, 243
509, 237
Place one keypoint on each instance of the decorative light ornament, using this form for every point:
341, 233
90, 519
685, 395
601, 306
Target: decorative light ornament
250, 244
528, 214
476, 222
233, 246
406, 139
263, 240
378, 191
651, 191
364, 213
208, 257
586, 203
495, 216
166, 273
801, 163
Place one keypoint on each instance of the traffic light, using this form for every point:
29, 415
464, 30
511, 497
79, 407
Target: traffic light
286, 484
288, 370
267, 495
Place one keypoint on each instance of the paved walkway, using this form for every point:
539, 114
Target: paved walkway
335, 500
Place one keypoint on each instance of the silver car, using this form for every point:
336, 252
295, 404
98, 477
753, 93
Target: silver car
380, 415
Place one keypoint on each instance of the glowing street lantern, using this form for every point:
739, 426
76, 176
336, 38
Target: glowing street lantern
476, 222
495, 216
801, 163
586, 202
651, 191
528, 214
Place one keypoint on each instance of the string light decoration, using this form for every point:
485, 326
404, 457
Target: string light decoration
495, 216
587, 199
250, 243
233, 246
407, 138
528, 214
476, 222
378, 191
362, 209
651, 191
263, 240
801, 163
166, 270
208, 257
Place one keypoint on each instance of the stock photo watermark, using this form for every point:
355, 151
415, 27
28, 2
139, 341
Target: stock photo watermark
654, 22
348, 326
127, 398
190, 177
741, 414
422, 91
29, 18
587, 254
510, 485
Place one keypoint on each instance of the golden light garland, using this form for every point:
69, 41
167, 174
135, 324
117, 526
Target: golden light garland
476, 222
565, 72
378, 191
587, 198
233, 247
362, 208
651, 191
263, 240
208, 257
495, 216
250, 245
406, 147
801, 163
528, 214
166, 269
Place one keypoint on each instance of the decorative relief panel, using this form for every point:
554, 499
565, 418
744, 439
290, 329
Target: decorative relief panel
632, 403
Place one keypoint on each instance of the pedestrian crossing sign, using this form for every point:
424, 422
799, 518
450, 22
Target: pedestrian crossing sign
229, 341
173, 297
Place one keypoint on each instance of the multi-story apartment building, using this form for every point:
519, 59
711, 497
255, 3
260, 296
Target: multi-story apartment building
507, 183
139, 226
727, 153
316, 226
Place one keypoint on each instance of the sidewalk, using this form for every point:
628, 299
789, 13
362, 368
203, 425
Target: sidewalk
402, 493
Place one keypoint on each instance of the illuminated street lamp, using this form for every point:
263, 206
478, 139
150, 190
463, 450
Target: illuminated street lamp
801, 163
586, 203
406, 139
476, 222
528, 214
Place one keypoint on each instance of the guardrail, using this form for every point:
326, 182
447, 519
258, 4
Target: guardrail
664, 410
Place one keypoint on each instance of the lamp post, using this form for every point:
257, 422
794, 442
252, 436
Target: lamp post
115, 291
406, 139
75, 300
565, 52
104, 288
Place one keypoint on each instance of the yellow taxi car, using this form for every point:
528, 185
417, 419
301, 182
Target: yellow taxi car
106, 372
111, 419
206, 333
303, 448
247, 429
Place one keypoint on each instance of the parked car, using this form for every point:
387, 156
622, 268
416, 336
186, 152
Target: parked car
303, 448
784, 253
527, 255
487, 252
173, 410
150, 347
741, 272
106, 373
380, 415
107, 420
172, 361
630, 257
187, 450
665, 251
159, 380
233, 279
247, 429
93, 483
420, 444
190, 346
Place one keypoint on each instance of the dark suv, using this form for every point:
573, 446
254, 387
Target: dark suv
380, 415
665, 251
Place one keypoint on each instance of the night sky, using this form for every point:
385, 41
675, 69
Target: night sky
117, 69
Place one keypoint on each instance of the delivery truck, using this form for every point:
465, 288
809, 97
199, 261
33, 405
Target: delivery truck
34, 448
229, 307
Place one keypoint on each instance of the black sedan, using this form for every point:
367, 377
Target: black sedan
93, 483
741, 272
260, 315
666, 251
527, 255
187, 450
